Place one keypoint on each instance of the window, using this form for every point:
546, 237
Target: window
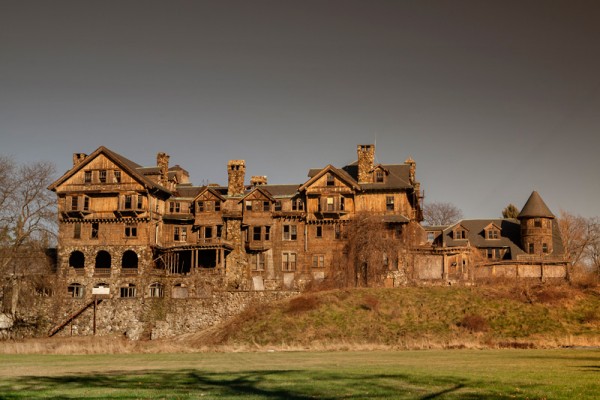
544, 247
174, 207
140, 202
493, 234
531, 248
86, 203
87, 176
74, 203
258, 263
75, 290
537, 222
219, 231
338, 232
129, 260
102, 176
319, 232
266, 205
289, 232
379, 176
155, 290
77, 231
342, 203
217, 205
267, 233
460, 234
256, 233
208, 232
176, 234
184, 234
318, 261
128, 202
297, 205
330, 204
128, 291
248, 205
278, 205
389, 203
330, 179
95, 228
288, 261
77, 260
117, 176
130, 230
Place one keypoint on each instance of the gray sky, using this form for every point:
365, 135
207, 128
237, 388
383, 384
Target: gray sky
493, 99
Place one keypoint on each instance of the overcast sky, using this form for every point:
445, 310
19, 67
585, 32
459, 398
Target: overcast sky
493, 99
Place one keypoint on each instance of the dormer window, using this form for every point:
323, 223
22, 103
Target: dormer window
297, 205
278, 205
379, 176
493, 234
460, 233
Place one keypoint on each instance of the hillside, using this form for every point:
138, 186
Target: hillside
434, 317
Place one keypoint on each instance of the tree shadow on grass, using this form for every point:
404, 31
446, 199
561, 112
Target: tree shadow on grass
269, 384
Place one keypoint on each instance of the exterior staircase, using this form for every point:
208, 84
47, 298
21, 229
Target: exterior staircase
71, 317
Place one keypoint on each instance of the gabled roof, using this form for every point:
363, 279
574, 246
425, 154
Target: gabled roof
211, 189
397, 177
535, 207
128, 166
261, 190
281, 190
316, 174
510, 234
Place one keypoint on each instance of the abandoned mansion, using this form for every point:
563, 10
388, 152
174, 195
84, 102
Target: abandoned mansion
135, 231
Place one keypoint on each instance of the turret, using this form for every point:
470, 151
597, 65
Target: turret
536, 226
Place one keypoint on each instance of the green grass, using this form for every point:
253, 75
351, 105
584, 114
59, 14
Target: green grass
545, 316
430, 374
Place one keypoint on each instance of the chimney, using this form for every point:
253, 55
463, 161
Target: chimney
78, 158
258, 180
366, 162
236, 171
411, 171
162, 160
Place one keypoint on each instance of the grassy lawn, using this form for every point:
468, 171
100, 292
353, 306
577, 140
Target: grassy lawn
430, 374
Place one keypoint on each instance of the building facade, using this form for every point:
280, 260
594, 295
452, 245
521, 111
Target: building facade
140, 232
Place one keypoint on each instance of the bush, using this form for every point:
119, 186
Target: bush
474, 323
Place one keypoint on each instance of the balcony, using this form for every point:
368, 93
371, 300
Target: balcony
212, 243
129, 211
102, 272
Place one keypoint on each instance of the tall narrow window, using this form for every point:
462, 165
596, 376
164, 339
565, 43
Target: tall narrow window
342, 203
289, 232
266, 206
102, 176
531, 248
330, 180
544, 247
95, 228
338, 231
74, 203
87, 176
379, 176
259, 262
77, 231
267, 233
117, 176
208, 232
128, 202
318, 261
200, 206
86, 203
389, 203
330, 204
176, 234
319, 231
278, 205
256, 233
140, 202
217, 205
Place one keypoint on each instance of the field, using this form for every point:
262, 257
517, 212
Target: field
427, 374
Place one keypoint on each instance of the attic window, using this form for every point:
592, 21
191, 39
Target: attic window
102, 176
493, 234
87, 176
117, 176
379, 176
460, 233
330, 180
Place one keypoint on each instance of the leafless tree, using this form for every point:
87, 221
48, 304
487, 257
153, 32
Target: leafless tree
440, 213
592, 251
574, 230
27, 223
372, 250
511, 211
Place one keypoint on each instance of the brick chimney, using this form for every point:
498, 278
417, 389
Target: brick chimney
411, 170
258, 180
366, 162
78, 158
162, 160
236, 171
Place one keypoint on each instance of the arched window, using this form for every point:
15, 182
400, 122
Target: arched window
103, 259
77, 260
155, 290
75, 290
129, 260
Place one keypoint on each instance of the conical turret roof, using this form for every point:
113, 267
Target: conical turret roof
535, 207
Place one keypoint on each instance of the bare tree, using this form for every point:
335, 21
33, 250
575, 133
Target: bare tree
27, 223
511, 211
575, 233
592, 251
440, 213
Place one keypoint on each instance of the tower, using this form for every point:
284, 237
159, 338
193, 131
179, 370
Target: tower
536, 226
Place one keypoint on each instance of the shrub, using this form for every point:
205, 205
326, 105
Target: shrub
474, 323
